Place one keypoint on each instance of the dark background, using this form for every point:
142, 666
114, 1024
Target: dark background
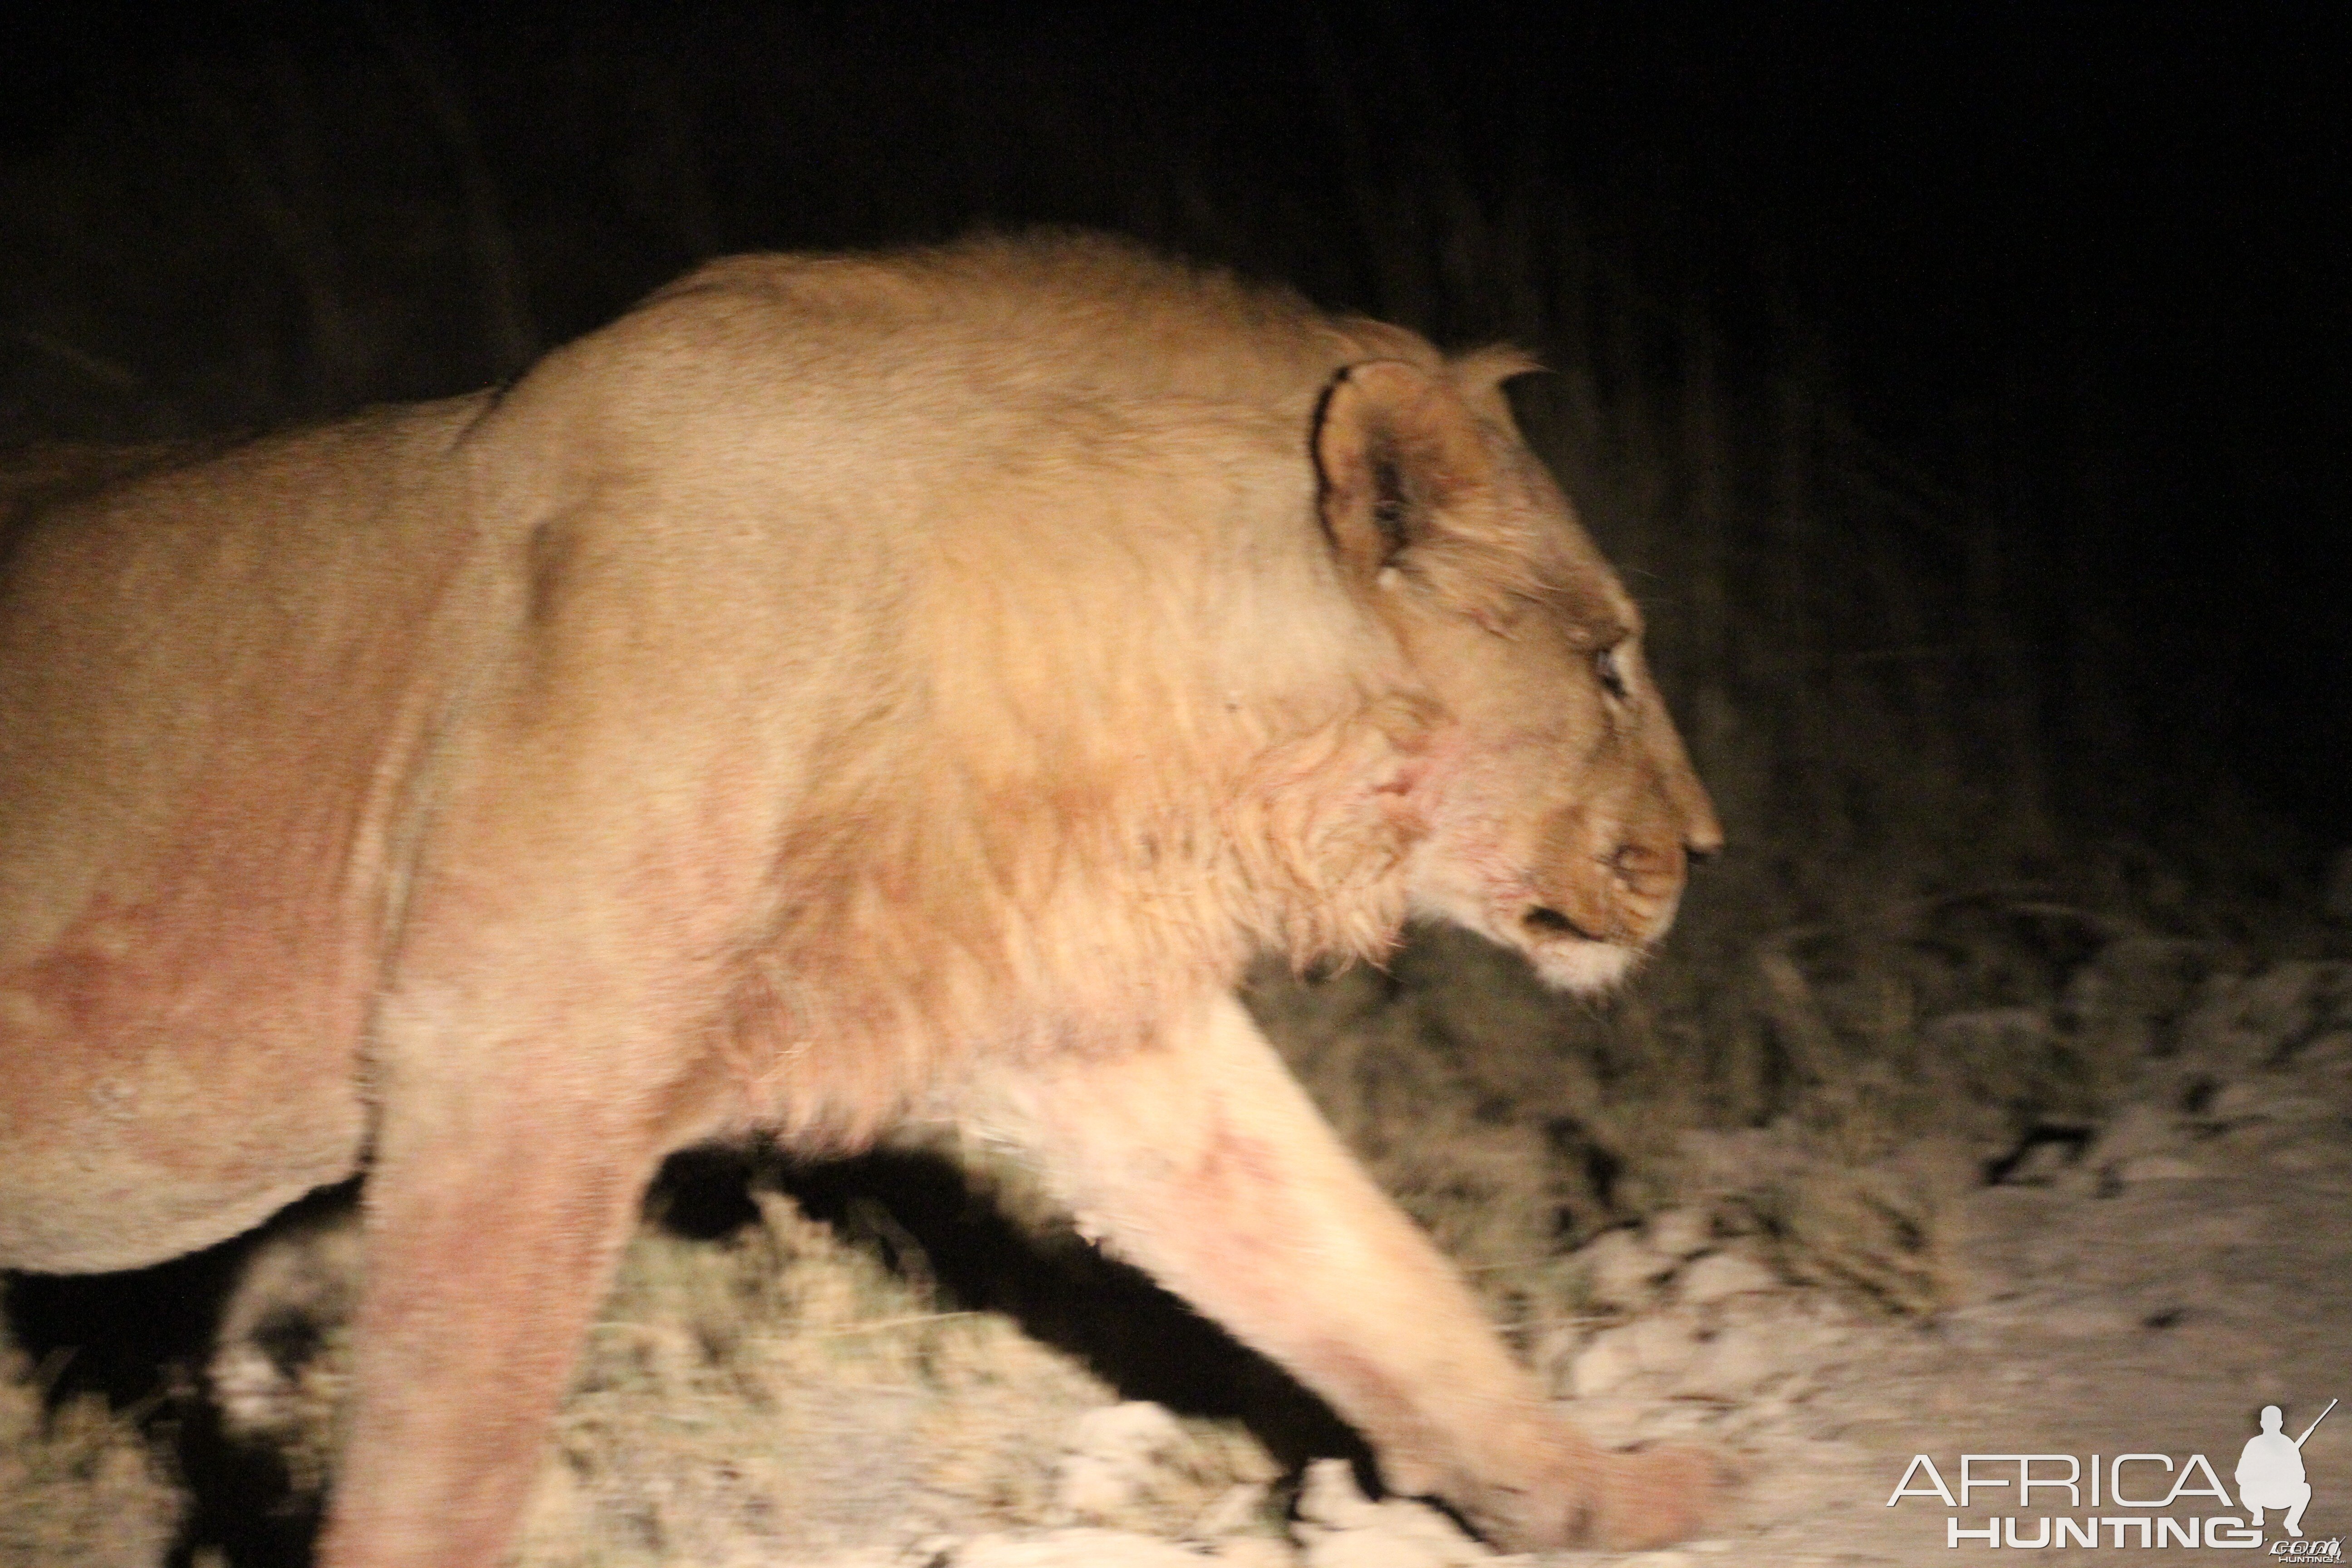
2069, 267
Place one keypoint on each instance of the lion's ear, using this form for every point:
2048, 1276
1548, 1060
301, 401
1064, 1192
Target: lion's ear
1395, 446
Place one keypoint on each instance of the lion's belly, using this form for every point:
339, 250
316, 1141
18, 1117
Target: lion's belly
155, 1101
105, 1195
179, 1056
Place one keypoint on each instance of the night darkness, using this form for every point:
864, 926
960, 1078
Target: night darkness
2074, 265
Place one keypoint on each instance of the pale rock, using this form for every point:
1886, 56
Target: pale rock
1602, 1366
1659, 1345
1722, 1274
1235, 1511
1338, 1527
1111, 1457
2158, 1168
1069, 1549
1426, 1527
1662, 1345
1732, 1365
1682, 1233
1367, 1549
1134, 1429
1328, 1496
1622, 1270
1674, 1421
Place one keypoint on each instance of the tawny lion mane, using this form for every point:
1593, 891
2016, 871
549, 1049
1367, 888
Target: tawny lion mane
844, 691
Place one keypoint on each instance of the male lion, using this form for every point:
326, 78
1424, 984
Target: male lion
844, 691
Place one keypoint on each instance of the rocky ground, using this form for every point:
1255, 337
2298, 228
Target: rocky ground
818, 1383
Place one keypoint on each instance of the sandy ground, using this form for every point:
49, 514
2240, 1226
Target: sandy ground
2141, 1285
2155, 1318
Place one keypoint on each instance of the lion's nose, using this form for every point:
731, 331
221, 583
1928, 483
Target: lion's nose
1702, 830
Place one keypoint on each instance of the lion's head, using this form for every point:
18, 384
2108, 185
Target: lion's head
1559, 807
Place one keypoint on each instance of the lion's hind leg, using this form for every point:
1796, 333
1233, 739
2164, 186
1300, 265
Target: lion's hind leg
1200, 1159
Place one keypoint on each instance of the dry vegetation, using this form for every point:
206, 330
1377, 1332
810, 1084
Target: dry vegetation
78, 1486
1953, 932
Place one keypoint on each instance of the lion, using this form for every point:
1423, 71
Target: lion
846, 692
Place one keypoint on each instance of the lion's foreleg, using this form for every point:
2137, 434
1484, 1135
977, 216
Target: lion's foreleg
496, 1209
1200, 1159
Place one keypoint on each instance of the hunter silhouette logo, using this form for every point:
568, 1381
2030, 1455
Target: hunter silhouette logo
2140, 1501
2270, 1470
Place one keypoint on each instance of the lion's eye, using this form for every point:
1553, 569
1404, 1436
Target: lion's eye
1612, 672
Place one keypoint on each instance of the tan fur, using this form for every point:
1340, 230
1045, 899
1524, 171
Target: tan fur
845, 689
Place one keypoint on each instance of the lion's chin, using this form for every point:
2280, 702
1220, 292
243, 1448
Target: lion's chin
1583, 968
1563, 961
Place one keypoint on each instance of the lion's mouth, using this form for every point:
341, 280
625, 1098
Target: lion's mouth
1587, 952
1572, 954
1545, 921
1578, 964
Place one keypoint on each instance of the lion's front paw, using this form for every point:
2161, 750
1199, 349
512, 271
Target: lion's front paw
1582, 1496
1656, 1495
1612, 1501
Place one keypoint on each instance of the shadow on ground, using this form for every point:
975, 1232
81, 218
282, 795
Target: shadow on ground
140, 1339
